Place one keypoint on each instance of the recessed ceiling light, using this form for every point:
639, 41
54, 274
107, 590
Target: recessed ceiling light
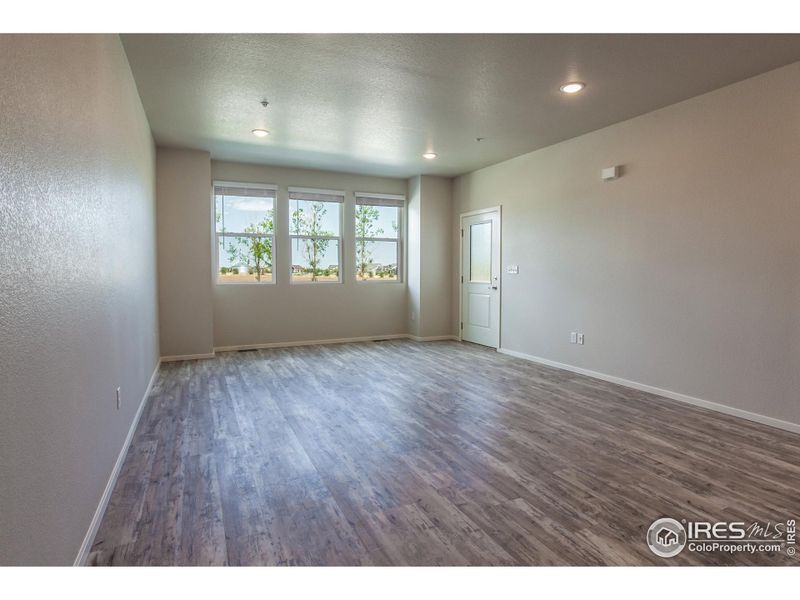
260, 132
573, 87
429, 155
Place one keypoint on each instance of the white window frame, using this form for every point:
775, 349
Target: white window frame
339, 238
399, 239
217, 234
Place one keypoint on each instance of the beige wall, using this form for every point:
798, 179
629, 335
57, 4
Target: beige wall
285, 312
430, 256
185, 297
78, 314
414, 268
685, 273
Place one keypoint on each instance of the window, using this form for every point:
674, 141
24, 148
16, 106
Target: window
480, 252
245, 232
315, 227
378, 239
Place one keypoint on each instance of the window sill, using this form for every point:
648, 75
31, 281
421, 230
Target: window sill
291, 282
227, 283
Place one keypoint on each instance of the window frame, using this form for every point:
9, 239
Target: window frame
399, 240
215, 235
340, 238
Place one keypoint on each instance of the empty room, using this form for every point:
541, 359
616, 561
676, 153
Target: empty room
399, 299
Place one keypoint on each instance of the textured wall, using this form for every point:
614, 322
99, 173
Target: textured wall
685, 273
414, 265
185, 302
436, 250
78, 310
429, 256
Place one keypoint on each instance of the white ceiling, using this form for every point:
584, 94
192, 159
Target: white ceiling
374, 103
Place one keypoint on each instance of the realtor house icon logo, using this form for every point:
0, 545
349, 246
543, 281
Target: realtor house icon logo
666, 537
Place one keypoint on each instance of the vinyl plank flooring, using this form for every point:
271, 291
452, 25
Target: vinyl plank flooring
443, 453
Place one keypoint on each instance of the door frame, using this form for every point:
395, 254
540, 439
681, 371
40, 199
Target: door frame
461, 217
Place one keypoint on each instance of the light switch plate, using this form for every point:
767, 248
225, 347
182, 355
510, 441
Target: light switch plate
580, 339
512, 269
573, 337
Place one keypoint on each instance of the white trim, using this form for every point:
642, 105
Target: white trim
259, 186
381, 196
368, 338
227, 283
375, 239
304, 190
303, 236
214, 239
377, 280
715, 406
313, 283
240, 234
480, 211
177, 357
88, 540
460, 276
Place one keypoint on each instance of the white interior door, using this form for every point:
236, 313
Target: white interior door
480, 278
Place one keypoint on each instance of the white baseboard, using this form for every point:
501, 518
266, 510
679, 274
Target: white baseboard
176, 358
432, 338
88, 540
715, 406
368, 338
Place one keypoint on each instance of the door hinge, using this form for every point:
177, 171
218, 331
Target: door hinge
462, 233
462, 324
462, 279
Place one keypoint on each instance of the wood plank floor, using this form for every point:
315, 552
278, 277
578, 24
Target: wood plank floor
440, 453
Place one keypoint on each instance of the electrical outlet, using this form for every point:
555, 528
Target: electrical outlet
119, 398
580, 339
573, 338
512, 269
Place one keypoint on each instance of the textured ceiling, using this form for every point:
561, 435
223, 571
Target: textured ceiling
374, 103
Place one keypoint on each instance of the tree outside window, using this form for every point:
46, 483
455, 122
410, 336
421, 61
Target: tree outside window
377, 237
315, 223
